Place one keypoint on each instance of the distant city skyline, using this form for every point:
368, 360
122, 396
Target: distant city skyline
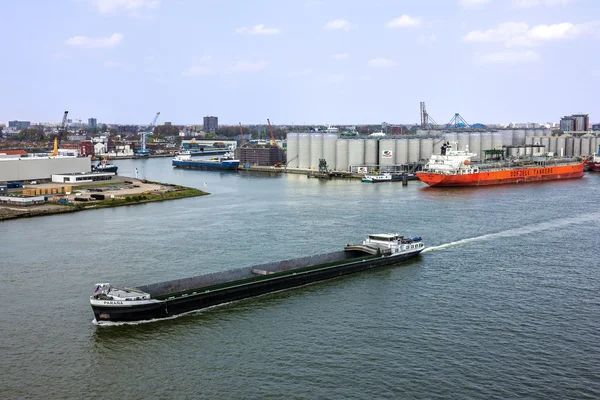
310, 62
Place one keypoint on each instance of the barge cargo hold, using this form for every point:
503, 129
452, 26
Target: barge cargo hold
165, 299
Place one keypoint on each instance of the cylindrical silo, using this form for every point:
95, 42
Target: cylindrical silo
292, 150
356, 152
486, 142
546, 143
519, 136
497, 140
371, 152
539, 132
585, 146
521, 151
452, 138
576, 146
569, 144
437, 145
387, 152
561, 146
463, 141
316, 149
402, 151
329, 140
553, 141
513, 151
508, 137
304, 150
475, 145
547, 132
422, 132
414, 150
341, 155
594, 142
529, 132
426, 148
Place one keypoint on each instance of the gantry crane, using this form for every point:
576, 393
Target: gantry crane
143, 151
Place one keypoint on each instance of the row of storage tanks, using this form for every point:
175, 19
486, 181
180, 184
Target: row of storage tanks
304, 150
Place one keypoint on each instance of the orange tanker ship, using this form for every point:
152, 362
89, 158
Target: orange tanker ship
454, 168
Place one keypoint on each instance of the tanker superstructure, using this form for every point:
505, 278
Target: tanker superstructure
455, 168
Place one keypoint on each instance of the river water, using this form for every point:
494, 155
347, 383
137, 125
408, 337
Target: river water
504, 304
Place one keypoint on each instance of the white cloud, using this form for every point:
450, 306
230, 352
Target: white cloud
113, 6
339, 24
510, 57
404, 21
473, 3
246, 66
514, 34
539, 3
197, 70
340, 56
381, 62
258, 30
95, 43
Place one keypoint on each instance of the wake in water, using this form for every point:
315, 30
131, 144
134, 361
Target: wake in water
543, 226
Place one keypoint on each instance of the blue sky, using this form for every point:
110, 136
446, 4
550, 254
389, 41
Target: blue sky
306, 61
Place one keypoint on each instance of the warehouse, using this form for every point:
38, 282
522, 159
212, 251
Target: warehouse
37, 168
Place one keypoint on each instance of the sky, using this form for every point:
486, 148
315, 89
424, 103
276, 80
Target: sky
299, 62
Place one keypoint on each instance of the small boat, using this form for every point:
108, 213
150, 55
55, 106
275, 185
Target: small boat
388, 177
104, 166
165, 299
593, 163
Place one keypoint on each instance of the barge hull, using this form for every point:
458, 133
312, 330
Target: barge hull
238, 291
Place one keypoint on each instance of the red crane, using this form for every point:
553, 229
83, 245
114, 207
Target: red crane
272, 136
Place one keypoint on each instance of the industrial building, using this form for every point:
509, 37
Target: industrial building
260, 155
211, 124
19, 125
304, 150
575, 123
34, 168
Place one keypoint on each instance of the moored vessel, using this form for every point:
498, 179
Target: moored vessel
165, 299
104, 166
455, 168
222, 163
388, 177
593, 163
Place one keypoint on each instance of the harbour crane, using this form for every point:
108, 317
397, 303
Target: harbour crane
271, 130
143, 152
61, 132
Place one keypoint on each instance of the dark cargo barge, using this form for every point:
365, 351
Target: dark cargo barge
165, 299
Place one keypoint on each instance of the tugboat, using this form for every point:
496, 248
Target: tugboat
593, 163
388, 177
104, 166
455, 168
164, 299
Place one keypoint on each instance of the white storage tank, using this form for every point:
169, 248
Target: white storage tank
304, 150
585, 146
539, 132
553, 141
486, 142
422, 132
475, 145
426, 148
341, 155
497, 140
546, 143
316, 149
569, 144
594, 142
576, 146
521, 151
561, 146
519, 136
356, 152
371, 152
387, 152
402, 151
329, 140
414, 150
547, 132
437, 145
508, 137
529, 132
463, 141
292, 150
452, 138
